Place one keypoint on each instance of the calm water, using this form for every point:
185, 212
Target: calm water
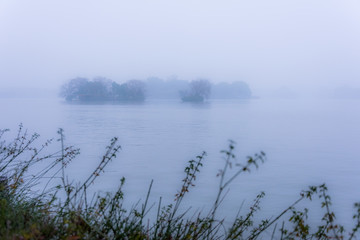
307, 142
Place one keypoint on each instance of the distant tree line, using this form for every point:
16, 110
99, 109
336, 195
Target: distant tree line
196, 89
103, 89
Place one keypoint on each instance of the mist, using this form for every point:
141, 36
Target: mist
308, 47
270, 87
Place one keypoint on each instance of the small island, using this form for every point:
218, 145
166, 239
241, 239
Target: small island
201, 89
101, 89
198, 92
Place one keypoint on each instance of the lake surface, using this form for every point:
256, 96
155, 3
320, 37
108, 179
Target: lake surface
307, 142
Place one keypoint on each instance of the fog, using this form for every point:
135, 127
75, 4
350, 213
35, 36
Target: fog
280, 47
171, 79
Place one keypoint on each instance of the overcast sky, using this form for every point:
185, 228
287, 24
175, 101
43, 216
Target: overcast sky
267, 43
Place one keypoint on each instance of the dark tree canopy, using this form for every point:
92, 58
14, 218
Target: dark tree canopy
73, 88
199, 90
102, 89
133, 90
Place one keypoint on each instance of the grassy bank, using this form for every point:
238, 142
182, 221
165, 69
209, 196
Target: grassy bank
26, 213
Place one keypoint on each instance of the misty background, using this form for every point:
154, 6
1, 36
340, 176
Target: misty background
297, 57
280, 48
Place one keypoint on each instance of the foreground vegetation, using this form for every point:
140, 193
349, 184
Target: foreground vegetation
29, 214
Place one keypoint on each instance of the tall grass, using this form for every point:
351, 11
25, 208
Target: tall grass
26, 213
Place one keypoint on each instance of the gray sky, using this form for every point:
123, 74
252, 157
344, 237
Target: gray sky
267, 43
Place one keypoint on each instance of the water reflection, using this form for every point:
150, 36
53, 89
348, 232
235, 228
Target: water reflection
307, 142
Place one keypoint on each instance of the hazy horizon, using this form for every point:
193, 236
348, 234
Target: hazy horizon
303, 46
300, 60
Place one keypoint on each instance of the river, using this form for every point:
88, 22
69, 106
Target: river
307, 142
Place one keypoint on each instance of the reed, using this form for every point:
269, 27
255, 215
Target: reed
26, 213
